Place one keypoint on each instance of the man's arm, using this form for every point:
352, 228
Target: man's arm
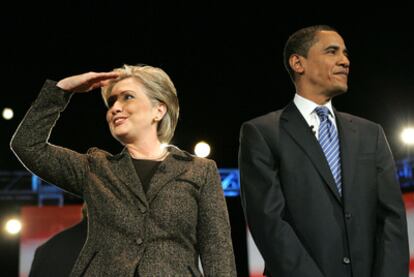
37, 263
264, 204
392, 253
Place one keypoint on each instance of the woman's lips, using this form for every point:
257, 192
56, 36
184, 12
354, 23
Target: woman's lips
118, 121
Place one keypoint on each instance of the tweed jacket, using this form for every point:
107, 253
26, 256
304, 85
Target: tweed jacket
182, 217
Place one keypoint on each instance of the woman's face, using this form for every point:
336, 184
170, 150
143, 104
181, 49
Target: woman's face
130, 112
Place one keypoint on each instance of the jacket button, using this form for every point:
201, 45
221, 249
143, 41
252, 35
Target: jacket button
138, 241
162, 168
346, 260
348, 215
143, 210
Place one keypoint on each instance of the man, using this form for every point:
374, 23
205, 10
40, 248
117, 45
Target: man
57, 256
318, 186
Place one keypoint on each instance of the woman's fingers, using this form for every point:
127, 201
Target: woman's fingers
87, 81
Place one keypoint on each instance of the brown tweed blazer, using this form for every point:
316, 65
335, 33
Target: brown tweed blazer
182, 217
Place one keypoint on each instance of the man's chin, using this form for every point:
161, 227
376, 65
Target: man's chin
339, 91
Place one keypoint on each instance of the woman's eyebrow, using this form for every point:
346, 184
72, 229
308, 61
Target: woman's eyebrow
127, 91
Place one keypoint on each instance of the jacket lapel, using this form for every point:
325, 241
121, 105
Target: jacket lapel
348, 136
296, 126
174, 165
124, 170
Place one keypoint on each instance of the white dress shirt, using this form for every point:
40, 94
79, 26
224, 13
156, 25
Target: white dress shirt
307, 108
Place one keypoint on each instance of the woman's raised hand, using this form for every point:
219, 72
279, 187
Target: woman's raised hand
87, 81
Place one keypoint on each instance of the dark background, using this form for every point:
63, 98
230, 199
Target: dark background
224, 58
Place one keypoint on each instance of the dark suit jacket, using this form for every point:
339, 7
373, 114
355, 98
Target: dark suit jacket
300, 224
57, 256
162, 232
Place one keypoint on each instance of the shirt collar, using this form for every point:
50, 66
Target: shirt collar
307, 107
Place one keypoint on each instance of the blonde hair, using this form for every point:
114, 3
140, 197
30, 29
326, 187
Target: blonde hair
158, 87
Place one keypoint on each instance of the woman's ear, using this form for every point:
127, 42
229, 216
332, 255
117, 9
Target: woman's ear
160, 111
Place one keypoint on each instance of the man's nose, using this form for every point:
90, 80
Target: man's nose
344, 61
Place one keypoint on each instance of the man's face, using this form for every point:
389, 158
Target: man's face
326, 68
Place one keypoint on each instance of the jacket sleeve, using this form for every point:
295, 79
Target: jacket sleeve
56, 165
213, 228
392, 253
264, 205
37, 263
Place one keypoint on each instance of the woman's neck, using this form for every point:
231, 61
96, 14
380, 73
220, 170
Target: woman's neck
147, 150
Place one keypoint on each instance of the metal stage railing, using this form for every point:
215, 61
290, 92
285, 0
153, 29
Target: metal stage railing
24, 186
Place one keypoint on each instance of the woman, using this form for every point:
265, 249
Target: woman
152, 210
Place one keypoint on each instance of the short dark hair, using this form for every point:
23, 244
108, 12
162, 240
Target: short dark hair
300, 42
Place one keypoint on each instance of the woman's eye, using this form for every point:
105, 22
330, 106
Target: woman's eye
128, 96
110, 102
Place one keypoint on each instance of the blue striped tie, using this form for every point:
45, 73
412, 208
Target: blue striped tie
328, 139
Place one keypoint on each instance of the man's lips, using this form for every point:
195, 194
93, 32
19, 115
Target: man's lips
343, 73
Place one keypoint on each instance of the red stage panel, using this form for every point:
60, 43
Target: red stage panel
39, 224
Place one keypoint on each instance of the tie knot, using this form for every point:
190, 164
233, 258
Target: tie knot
322, 112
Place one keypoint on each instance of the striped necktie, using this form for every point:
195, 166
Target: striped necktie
328, 139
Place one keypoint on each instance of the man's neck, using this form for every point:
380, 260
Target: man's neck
319, 99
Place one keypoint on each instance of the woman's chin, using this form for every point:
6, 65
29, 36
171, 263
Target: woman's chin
121, 137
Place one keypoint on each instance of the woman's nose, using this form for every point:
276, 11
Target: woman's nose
116, 108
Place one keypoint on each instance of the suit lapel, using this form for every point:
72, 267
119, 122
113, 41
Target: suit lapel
296, 126
174, 165
124, 170
348, 136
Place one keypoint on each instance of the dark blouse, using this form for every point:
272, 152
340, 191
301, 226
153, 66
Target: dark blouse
145, 170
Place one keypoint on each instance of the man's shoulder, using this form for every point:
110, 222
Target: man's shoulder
357, 119
76, 230
265, 119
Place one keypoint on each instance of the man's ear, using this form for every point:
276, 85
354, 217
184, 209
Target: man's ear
296, 63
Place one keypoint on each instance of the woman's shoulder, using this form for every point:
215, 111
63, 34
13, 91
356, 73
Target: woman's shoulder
99, 153
186, 156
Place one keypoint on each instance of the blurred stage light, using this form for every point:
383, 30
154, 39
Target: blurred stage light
13, 226
202, 149
407, 136
7, 113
